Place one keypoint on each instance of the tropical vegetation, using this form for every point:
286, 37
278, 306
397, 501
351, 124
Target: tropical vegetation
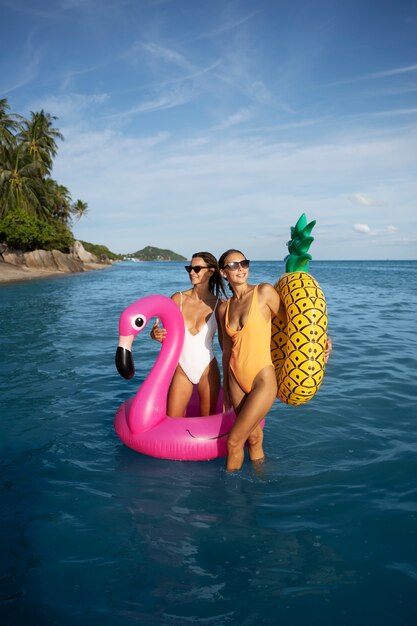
101, 251
35, 210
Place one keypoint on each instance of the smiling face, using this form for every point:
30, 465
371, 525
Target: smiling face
203, 275
236, 268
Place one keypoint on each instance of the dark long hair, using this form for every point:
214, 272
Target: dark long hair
216, 283
224, 256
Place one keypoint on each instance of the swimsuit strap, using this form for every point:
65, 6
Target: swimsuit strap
212, 319
181, 301
227, 312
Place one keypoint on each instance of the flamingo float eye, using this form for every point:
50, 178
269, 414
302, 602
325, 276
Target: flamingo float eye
138, 322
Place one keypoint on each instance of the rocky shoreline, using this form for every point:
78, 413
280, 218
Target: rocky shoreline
18, 266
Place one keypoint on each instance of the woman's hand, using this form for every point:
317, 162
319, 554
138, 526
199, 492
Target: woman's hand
159, 334
328, 349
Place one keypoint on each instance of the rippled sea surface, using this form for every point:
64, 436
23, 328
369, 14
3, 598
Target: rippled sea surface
95, 533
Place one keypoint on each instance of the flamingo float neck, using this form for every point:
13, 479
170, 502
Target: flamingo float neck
149, 404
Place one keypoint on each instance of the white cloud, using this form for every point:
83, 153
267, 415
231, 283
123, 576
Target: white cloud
364, 200
175, 193
394, 72
71, 106
366, 230
394, 112
363, 228
167, 55
241, 116
71, 75
223, 28
384, 73
259, 92
175, 98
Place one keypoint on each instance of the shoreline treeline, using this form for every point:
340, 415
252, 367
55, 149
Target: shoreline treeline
35, 210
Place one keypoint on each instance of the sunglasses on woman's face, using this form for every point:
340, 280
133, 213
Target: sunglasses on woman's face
195, 268
234, 265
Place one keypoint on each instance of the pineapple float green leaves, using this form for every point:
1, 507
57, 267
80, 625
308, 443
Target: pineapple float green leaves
298, 346
301, 240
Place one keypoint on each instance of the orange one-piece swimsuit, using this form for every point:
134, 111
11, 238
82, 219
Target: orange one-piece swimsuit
251, 350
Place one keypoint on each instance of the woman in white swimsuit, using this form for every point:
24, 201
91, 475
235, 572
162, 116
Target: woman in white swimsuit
197, 364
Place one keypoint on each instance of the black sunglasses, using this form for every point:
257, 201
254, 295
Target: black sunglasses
196, 268
234, 265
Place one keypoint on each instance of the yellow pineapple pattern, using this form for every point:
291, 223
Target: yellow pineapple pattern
297, 346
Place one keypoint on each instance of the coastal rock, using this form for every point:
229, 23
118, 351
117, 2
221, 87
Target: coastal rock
66, 262
49, 261
14, 258
52, 260
78, 252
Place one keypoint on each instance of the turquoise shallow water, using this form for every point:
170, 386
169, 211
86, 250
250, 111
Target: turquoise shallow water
93, 532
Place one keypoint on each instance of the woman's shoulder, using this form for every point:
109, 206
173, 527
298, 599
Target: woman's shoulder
268, 296
177, 296
181, 296
222, 304
265, 288
267, 291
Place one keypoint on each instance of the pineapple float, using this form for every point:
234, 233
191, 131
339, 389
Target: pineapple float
297, 346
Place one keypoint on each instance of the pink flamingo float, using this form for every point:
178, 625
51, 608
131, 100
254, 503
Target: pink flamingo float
141, 422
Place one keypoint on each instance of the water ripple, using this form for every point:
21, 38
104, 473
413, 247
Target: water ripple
324, 533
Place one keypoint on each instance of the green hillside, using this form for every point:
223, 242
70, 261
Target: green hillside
150, 253
100, 250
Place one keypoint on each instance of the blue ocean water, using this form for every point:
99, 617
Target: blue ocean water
94, 533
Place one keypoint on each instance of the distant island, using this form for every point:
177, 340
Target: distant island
150, 253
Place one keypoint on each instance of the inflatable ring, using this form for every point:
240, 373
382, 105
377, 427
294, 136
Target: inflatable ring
141, 422
298, 346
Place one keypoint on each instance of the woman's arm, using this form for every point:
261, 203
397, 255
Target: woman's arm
159, 334
269, 298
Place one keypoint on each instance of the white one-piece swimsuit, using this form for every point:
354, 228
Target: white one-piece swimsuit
197, 351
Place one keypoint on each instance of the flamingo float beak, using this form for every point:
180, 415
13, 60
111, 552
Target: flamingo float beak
124, 358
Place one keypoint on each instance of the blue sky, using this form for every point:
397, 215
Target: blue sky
209, 124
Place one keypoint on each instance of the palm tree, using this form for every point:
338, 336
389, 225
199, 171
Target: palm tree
39, 138
27, 150
9, 124
20, 183
79, 209
58, 199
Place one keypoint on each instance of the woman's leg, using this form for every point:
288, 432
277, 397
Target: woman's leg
251, 408
255, 449
208, 388
235, 450
179, 394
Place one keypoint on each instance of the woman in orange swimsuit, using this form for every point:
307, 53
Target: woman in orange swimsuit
249, 379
